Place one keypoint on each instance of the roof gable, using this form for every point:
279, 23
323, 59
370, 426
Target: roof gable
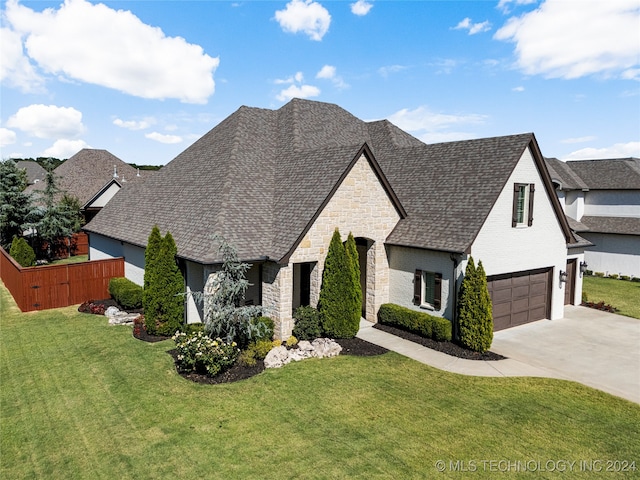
614, 174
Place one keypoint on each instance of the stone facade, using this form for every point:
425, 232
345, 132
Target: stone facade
360, 206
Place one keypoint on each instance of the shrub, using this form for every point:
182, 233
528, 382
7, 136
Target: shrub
291, 342
90, 307
599, 274
635, 279
308, 323
625, 277
190, 328
336, 292
22, 252
199, 353
256, 351
413, 321
261, 329
614, 276
475, 317
126, 293
353, 309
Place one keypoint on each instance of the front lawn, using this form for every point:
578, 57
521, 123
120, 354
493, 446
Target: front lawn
622, 294
68, 260
82, 399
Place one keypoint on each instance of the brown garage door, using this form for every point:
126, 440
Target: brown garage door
520, 297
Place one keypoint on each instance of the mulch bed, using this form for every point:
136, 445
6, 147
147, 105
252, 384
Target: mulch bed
605, 307
449, 348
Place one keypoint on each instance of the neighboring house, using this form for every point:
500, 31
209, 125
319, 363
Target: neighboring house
602, 200
35, 172
277, 183
93, 177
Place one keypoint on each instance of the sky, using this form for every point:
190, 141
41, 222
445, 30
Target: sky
145, 79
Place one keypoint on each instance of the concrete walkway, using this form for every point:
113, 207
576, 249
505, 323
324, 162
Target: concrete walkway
594, 348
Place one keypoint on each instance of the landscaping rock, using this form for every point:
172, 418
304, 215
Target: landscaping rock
320, 348
117, 317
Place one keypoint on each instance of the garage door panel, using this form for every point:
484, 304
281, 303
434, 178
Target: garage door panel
520, 297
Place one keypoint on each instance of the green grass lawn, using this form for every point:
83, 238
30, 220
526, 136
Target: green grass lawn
82, 399
74, 259
622, 294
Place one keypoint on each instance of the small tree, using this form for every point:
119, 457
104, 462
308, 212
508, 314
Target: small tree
14, 203
354, 309
164, 285
225, 314
22, 252
474, 309
336, 291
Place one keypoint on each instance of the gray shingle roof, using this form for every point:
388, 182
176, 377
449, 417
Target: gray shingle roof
618, 225
260, 176
88, 171
615, 174
34, 170
563, 174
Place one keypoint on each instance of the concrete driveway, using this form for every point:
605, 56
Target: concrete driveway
598, 349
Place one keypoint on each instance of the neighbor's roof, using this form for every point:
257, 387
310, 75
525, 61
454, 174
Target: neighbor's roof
618, 225
89, 171
612, 174
35, 172
261, 176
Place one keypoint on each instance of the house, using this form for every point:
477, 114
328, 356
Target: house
276, 183
602, 200
93, 177
35, 172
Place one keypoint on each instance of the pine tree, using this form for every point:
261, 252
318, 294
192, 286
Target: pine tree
22, 252
336, 292
14, 203
170, 288
354, 309
474, 309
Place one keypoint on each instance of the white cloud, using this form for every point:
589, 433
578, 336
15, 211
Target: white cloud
389, 69
560, 39
114, 49
473, 28
298, 91
435, 127
619, 150
48, 121
305, 16
65, 148
133, 124
518, 89
15, 69
159, 137
7, 137
328, 72
504, 5
361, 7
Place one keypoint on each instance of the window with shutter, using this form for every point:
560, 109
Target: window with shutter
522, 204
427, 289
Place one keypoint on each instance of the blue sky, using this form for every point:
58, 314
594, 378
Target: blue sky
145, 79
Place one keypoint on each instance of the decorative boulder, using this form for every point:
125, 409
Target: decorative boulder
325, 347
320, 348
117, 317
277, 357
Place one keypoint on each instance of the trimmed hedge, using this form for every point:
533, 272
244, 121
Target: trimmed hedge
413, 321
22, 252
308, 323
125, 292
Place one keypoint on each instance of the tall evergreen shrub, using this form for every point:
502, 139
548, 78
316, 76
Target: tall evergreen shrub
22, 252
354, 308
474, 309
150, 300
336, 291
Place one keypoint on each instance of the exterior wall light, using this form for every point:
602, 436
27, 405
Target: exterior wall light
583, 268
563, 276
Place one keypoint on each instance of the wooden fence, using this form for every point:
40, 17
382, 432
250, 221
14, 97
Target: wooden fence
78, 244
54, 286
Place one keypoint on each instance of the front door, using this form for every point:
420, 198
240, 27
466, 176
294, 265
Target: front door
570, 286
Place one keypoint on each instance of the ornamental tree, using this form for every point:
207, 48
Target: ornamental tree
354, 309
475, 318
22, 252
336, 302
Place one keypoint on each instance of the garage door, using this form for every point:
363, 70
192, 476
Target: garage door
520, 297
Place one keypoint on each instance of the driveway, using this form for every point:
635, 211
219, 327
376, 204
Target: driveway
598, 349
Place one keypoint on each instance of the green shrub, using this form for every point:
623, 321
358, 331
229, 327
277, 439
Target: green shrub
256, 351
475, 317
614, 276
308, 323
413, 321
625, 277
261, 329
599, 274
22, 252
126, 293
292, 341
190, 328
199, 353
635, 279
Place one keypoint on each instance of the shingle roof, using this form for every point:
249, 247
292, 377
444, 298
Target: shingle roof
34, 170
88, 171
260, 176
614, 174
563, 174
619, 225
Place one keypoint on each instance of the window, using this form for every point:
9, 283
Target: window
522, 204
427, 289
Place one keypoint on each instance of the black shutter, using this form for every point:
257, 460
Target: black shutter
437, 291
514, 216
417, 287
532, 189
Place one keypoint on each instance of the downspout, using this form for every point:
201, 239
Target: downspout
454, 316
